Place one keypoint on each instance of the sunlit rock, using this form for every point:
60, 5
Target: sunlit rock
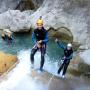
6, 62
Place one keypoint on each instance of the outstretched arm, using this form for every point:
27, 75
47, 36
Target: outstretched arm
60, 44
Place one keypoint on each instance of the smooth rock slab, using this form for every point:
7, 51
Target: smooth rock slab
6, 62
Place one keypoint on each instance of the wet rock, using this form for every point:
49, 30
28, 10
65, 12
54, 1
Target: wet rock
25, 5
29, 4
6, 62
57, 83
81, 63
74, 64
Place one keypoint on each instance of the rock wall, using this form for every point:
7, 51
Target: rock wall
6, 4
72, 14
26, 5
37, 3
19, 4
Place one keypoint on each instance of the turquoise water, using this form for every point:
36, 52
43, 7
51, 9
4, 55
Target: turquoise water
23, 41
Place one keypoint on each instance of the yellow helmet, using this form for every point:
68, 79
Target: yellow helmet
39, 22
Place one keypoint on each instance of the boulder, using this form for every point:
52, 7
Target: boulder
6, 62
15, 20
72, 14
80, 64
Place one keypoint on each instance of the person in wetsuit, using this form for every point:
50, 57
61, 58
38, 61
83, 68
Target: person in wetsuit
40, 39
68, 54
7, 35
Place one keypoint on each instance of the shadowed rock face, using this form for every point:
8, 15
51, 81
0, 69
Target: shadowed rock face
19, 4
29, 4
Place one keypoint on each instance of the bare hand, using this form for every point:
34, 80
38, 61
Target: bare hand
40, 41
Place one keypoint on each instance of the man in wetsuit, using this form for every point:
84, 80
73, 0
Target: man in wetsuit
40, 39
68, 54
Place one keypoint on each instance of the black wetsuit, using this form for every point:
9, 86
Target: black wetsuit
68, 56
37, 36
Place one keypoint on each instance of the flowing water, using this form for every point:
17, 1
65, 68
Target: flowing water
19, 78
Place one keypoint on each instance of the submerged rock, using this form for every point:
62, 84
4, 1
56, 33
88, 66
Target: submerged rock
6, 62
